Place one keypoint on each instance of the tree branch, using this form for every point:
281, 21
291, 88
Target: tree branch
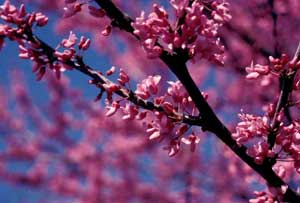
210, 121
77, 63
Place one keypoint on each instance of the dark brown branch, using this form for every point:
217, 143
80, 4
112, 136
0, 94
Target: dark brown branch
210, 121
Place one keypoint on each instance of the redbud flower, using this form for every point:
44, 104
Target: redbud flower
130, 111
254, 71
123, 77
41, 19
173, 147
107, 30
112, 109
192, 140
84, 43
70, 42
111, 71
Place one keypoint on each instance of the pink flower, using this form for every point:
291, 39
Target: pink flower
179, 6
192, 140
4, 29
141, 115
173, 147
256, 70
168, 107
260, 151
111, 71
112, 109
8, 8
182, 129
153, 131
65, 55
107, 30
130, 111
221, 12
278, 64
176, 91
262, 197
148, 87
70, 42
24, 52
152, 50
251, 126
280, 171
40, 73
142, 91
41, 20
152, 83
84, 43
123, 77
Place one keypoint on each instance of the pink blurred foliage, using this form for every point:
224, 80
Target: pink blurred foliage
149, 143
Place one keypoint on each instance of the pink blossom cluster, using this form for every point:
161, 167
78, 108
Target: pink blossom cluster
254, 130
69, 51
289, 139
148, 87
197, 33
257, 130
260, 151
58, 61
159, 124
251, 126
20, 18
19, 26
276, 67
